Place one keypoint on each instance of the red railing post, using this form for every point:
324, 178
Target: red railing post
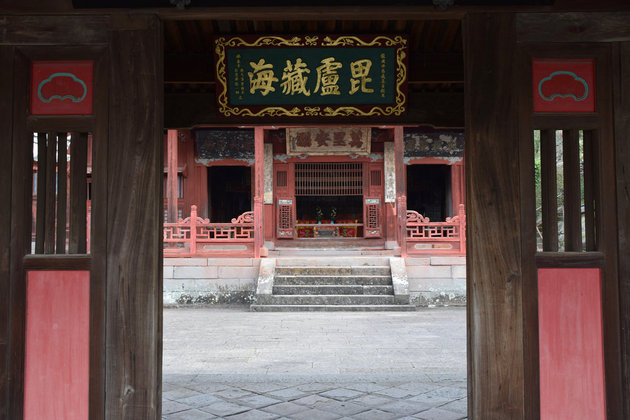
193, 229
462, 229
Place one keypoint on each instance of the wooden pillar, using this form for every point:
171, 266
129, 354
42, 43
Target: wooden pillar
457, 183
133, 345
8, 373
622, 140
496, 372
171, 176
259, 185
401, 189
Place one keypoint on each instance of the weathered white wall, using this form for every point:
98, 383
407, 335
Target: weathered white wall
433, 281
209, 280
437, 281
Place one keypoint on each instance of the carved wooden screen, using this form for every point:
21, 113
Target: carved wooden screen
285, 201
373, 200
372, 218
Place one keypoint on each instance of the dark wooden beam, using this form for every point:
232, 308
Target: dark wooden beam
622, 143
6, 115
35, 30
185, 110
189, 68
21, 225
496, 374
134, 219
311, 13
573, 27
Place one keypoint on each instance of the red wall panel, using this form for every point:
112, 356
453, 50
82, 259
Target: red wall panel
57, 345
571, 344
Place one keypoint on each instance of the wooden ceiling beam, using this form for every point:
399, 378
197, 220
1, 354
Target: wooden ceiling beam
314, 13
440, 109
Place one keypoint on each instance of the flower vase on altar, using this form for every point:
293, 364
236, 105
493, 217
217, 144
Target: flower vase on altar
319, 214
333, 215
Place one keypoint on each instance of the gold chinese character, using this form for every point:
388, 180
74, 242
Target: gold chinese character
360, 70
327, 77
295, 79
261, 78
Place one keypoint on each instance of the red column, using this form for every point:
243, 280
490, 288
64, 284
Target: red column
171, 177
401, 189
457, 183
259, 153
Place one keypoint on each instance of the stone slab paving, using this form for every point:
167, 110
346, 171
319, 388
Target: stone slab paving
234, 364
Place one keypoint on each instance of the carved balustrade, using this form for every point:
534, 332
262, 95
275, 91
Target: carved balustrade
190, 236
423, 235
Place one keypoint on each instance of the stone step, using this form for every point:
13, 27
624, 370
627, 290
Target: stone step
331, 308
332, 252
346, 280
331, 261
331, 300
332, 290
328, 270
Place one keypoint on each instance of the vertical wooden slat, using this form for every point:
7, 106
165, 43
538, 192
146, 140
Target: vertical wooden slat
622, 143
572, 199
21, 210
589, 198
78, 193
259, 187
6, 128
62, 191
171, 176
134, 216
401, 188
40, 218
51, 181
607, 231
94, 149
496, 355
549, 190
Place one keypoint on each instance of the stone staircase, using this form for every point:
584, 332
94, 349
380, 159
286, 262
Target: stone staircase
332, 284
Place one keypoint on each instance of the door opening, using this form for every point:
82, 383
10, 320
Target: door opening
229, 192
428, 191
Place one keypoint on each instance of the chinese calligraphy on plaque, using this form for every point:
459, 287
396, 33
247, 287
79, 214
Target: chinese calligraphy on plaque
306, 76
328, 141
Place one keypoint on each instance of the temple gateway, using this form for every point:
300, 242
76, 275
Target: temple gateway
329, 155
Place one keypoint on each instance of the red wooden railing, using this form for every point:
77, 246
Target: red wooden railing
425, 236
195, 236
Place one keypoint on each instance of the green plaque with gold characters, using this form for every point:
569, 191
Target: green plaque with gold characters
311, 76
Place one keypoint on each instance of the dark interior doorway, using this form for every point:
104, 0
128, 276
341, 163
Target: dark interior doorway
428, 190
229, 192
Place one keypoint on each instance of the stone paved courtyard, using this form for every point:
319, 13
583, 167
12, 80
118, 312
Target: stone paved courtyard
234, 364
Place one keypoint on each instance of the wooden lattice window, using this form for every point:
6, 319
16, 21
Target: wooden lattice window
566, 193
281, 180
373, 216
375, 178
60, 206
328, 179
286, 217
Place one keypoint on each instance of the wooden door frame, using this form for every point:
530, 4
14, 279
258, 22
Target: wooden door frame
126, 280
502, 317
496, 341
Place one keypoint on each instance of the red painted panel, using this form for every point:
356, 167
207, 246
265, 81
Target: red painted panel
56, 378
571, 344
563, 85
62, 87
